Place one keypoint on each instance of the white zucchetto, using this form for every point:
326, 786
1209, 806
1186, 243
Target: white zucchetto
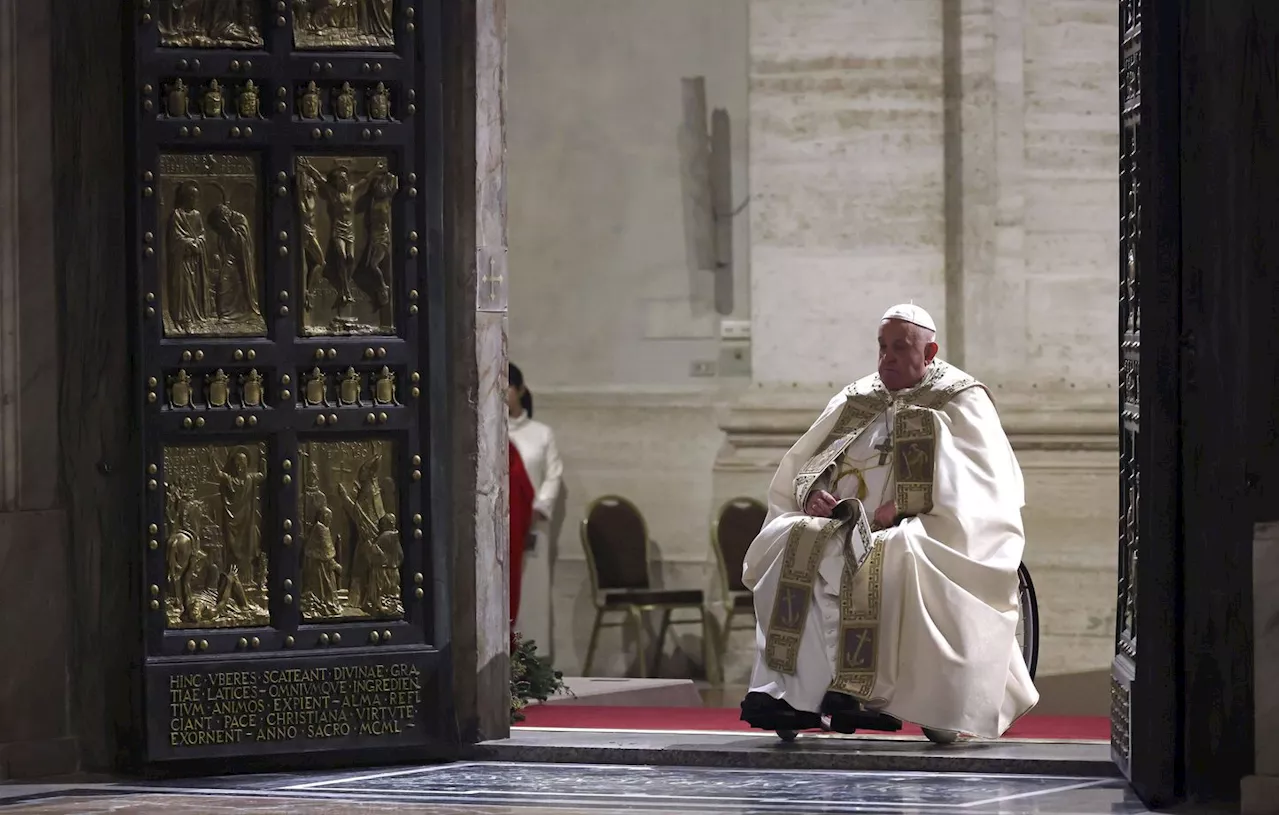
911, 313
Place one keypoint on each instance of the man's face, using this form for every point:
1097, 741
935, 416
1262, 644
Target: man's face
904, 354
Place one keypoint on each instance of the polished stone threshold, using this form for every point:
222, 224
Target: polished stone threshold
474, 788
809, 752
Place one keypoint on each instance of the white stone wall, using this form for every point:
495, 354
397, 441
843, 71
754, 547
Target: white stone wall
846, 178
1070, 192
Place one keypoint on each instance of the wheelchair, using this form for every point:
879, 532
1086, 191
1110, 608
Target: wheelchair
1028, 636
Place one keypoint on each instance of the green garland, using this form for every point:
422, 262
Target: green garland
532, 678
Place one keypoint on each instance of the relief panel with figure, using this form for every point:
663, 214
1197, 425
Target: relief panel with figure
351, 547
210, 227
351, 24
344, 211
209, 23
216, 565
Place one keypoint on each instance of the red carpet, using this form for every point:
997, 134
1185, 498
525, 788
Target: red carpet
589, 717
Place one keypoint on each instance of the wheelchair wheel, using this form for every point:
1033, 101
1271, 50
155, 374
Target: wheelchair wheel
1028, 632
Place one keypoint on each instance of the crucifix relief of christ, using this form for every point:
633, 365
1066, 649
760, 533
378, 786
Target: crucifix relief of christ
345, 214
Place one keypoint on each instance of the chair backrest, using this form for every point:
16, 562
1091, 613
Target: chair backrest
616, 542
736, 526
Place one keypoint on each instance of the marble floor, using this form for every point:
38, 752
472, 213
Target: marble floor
811, 751
492, 788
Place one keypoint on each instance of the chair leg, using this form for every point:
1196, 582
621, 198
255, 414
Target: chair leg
708, 643
723, 644
662, 638
637, 622
591, 646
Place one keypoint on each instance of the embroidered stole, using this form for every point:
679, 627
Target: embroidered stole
914, 456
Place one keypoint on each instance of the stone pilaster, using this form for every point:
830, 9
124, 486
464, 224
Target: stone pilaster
491, 498
475, 260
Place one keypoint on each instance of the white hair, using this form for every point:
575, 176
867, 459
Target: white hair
923, 335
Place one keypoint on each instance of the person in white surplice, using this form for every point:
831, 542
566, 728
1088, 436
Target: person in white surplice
536, 445
885, 576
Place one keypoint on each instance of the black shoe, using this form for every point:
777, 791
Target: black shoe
760, 710
834, 702
848, 716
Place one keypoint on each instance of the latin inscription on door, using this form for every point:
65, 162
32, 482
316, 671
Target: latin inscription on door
333, 703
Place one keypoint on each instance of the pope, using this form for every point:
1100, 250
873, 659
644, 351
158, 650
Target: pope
885, 576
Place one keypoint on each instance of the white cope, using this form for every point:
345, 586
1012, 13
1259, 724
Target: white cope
947, 654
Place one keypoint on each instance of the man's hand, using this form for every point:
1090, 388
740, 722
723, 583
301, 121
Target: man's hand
820, 504
886, 514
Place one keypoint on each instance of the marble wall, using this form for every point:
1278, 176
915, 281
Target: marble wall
961, 155
847, 173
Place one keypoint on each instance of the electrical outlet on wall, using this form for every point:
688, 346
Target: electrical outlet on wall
703, 367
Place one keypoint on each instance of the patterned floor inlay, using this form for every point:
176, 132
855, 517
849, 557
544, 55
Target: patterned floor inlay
488, 788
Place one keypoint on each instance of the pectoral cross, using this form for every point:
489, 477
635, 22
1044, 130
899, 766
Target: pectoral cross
886, 449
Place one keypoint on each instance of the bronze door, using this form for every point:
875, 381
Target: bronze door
288, 179
1146, 681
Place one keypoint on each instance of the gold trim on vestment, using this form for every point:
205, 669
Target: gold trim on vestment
860, 409
859, 647
805, 545
915, 448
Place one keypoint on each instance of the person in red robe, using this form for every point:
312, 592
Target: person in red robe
521, 501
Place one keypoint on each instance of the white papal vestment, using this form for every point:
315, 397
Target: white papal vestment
917, 620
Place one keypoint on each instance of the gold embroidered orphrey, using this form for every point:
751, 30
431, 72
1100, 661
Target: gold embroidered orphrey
914, 453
